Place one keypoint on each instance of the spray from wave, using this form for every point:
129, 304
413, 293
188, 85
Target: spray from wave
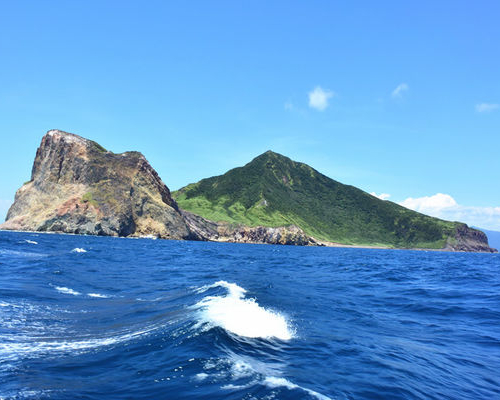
239, 315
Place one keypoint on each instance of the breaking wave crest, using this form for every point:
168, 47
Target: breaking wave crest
65, 290
99, 295
239, 315
275, 382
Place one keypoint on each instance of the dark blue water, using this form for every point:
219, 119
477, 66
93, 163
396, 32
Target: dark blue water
145, 319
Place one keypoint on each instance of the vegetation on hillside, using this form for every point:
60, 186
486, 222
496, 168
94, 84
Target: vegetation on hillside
273, 190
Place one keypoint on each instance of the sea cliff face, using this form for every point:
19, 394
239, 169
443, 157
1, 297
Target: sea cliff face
468, 239
78, 187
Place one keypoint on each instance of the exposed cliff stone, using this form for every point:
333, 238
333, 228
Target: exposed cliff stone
469, 239
77, 186
225, 232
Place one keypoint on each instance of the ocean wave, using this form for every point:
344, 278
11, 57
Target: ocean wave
244, 372
99, 295
66, 290
239, 315
30, 241
78, 250
16, 253
275, 382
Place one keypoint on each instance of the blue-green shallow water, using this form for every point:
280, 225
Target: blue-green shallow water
144, 319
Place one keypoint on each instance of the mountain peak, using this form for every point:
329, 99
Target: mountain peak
270, 155
56, 134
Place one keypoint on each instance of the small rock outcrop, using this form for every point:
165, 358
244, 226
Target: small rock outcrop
79, 187
226, 232
469, 239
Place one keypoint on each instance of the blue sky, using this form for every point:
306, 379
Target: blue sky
395, 98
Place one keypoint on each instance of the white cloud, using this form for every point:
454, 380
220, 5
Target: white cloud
381, 196
445, 207
486, 107
398, 92
428, 204
318, 98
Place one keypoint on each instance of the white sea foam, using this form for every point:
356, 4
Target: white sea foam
241, 316
14, 349
243, 372
27, 394
201, 376
152, 237
66, 290
102, 296
274, 382
30, 241
78, 250
22, 253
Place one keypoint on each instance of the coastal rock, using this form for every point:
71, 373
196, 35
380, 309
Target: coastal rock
469, 239
226, 232
79, 187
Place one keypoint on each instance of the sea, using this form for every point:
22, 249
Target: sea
86, 317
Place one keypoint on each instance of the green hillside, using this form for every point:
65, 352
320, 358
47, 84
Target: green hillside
273, 190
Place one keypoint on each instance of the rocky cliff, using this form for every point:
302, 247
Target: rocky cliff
79, 187
468, 239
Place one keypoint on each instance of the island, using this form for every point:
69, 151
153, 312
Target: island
79, 187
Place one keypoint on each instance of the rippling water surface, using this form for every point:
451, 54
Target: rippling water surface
107, 318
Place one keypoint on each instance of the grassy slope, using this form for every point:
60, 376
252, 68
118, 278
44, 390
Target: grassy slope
273, 190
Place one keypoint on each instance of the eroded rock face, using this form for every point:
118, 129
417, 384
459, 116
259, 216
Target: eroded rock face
77, 186
225, 232
468, 239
